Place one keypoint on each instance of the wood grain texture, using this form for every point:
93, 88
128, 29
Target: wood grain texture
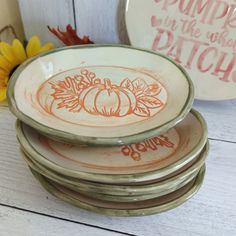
28, 223
220, 117
103, 20
36, 15
211, 212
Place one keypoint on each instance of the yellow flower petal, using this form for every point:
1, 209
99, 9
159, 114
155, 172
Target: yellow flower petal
3, 93
8, 53
33, 46
6, 80
3, 90
3, 74
3, 83
5, 64
18, 50
46, 47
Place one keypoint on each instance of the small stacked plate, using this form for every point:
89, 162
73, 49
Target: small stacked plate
109, 128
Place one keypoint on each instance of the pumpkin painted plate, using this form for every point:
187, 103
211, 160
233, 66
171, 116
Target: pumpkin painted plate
121, 193
144, 161
199, 35
147, 207
100, 94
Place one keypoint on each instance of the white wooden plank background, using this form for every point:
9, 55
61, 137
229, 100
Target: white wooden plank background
37, 14
102, 20
24, 223
211, 212
221, 117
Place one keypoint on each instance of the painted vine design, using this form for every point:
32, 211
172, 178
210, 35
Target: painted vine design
129, 97
135, 150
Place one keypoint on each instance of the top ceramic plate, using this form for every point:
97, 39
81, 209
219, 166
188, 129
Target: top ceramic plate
145, 161
200, 35
100, 94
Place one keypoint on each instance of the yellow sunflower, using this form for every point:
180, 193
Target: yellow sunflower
13, 55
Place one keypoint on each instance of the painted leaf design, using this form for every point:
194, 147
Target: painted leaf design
68, 92
126, 83
152, 90
141, 110
139, 86
72, 104
150, 102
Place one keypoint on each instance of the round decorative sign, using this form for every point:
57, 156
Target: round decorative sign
199, 35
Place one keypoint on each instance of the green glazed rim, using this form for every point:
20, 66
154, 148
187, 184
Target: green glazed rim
111, 141
123, 197
122, 212
122, 191
110, 178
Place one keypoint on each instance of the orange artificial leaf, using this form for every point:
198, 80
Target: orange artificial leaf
69, 37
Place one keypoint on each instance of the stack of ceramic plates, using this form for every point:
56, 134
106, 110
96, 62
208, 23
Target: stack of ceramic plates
110, 128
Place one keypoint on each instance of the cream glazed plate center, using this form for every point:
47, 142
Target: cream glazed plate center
109, 95
199, 35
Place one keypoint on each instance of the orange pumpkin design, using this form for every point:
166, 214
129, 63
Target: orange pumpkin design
100, 97
108, 100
